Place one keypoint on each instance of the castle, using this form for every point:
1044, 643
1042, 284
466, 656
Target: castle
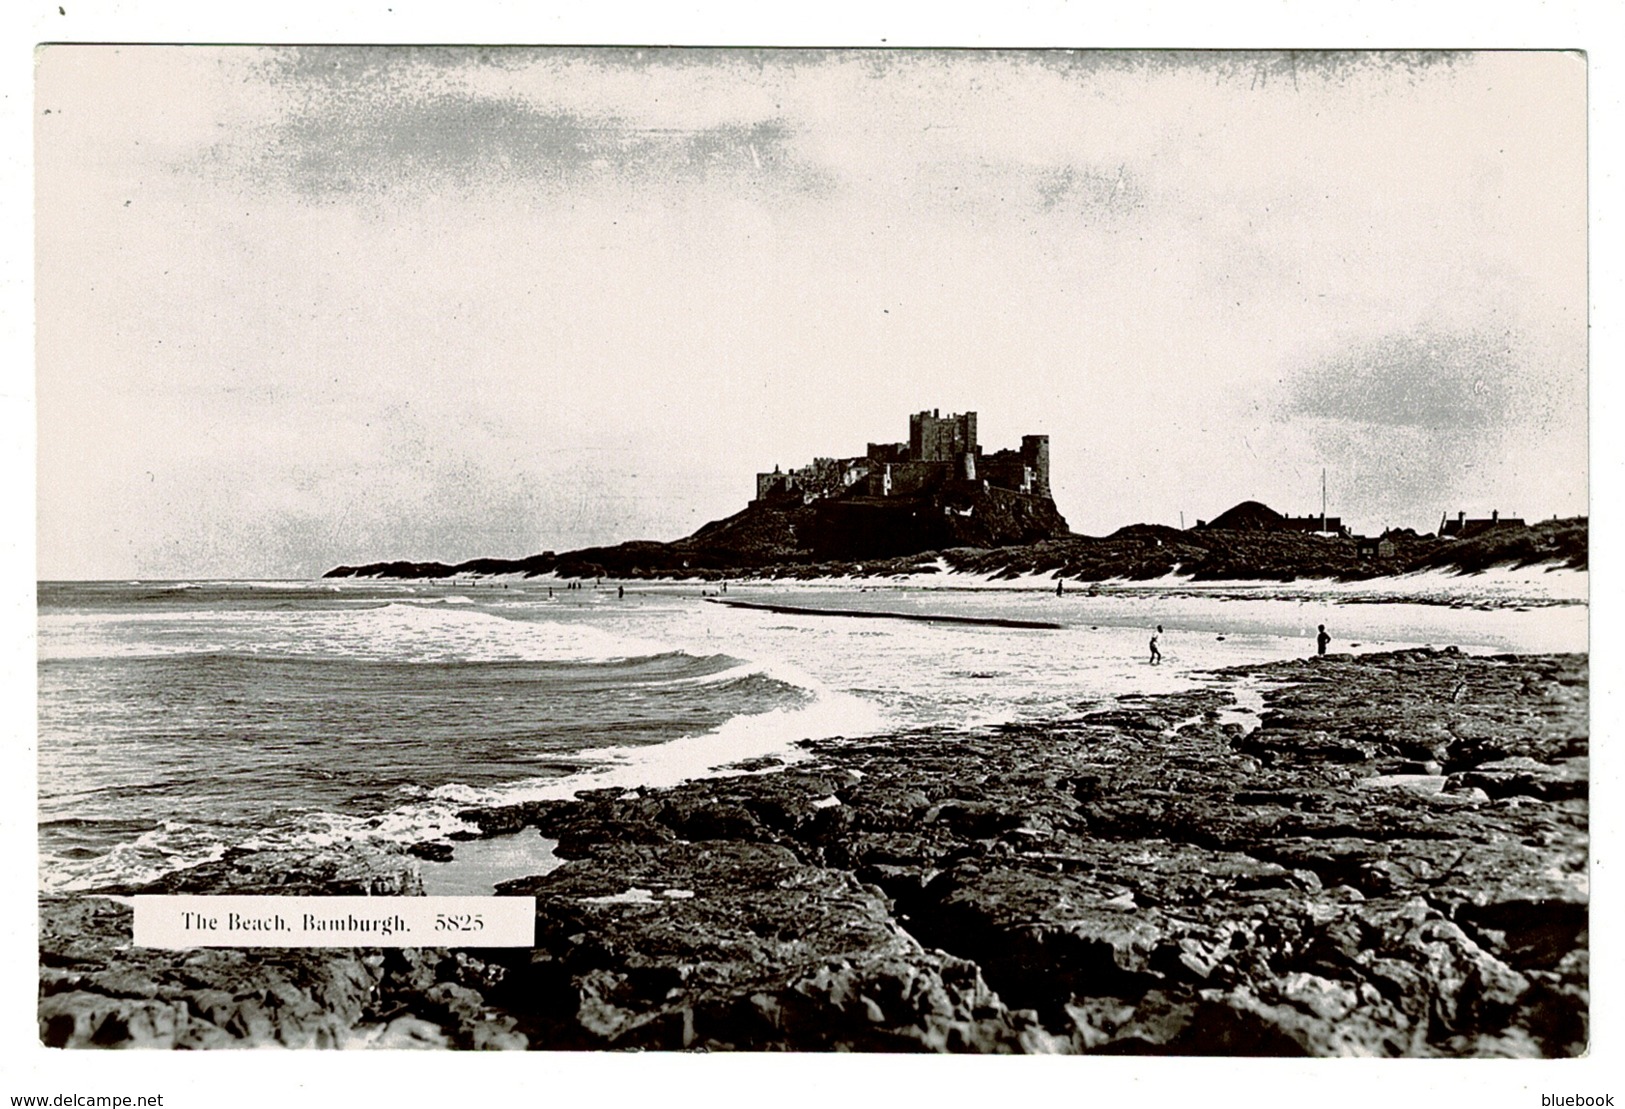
941, 452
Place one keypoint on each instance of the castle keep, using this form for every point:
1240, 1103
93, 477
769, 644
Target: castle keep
941, 453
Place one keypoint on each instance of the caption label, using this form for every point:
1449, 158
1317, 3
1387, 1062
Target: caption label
195, 921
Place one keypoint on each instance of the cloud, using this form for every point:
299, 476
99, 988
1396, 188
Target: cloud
346, 122
1444, 381
1445, 419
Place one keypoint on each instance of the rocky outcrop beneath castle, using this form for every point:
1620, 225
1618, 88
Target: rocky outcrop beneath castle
1389, 860
889, 527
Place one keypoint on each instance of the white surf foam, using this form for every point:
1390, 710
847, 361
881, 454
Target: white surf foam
433, 814
406, 630
173, 845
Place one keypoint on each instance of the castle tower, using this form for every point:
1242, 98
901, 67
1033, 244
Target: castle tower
1035, 456
933, 437
917, 431
768, 484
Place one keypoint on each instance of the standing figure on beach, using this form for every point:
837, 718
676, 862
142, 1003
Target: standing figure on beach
1322, 639
620, 591
1059, 582
1156, 653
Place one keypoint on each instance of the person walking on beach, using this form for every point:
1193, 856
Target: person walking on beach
1156, 653
1322, 639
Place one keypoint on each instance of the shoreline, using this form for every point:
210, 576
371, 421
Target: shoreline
1391, 862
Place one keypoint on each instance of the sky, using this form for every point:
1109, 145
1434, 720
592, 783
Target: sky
298, 307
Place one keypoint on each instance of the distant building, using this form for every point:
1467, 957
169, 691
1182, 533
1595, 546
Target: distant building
1330, 525
940, 450
1461, 527
1254, 516
1375, 546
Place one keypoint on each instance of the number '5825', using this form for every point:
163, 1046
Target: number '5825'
458, 922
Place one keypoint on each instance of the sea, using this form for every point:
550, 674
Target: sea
180, 719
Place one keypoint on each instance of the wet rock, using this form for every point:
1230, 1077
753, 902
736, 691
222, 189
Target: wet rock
337, 872
758, 950
1040, 937
120, 996
1564, 780
702, 820
1529, 932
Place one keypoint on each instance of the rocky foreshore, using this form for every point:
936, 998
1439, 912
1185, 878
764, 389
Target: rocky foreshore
1389, 859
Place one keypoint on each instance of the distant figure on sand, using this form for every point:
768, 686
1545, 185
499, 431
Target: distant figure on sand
1058, 583
1156, 653
620, 591
1322, 639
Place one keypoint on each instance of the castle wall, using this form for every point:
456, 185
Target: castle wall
821, 479
917, 477
1007, 470
903, 479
